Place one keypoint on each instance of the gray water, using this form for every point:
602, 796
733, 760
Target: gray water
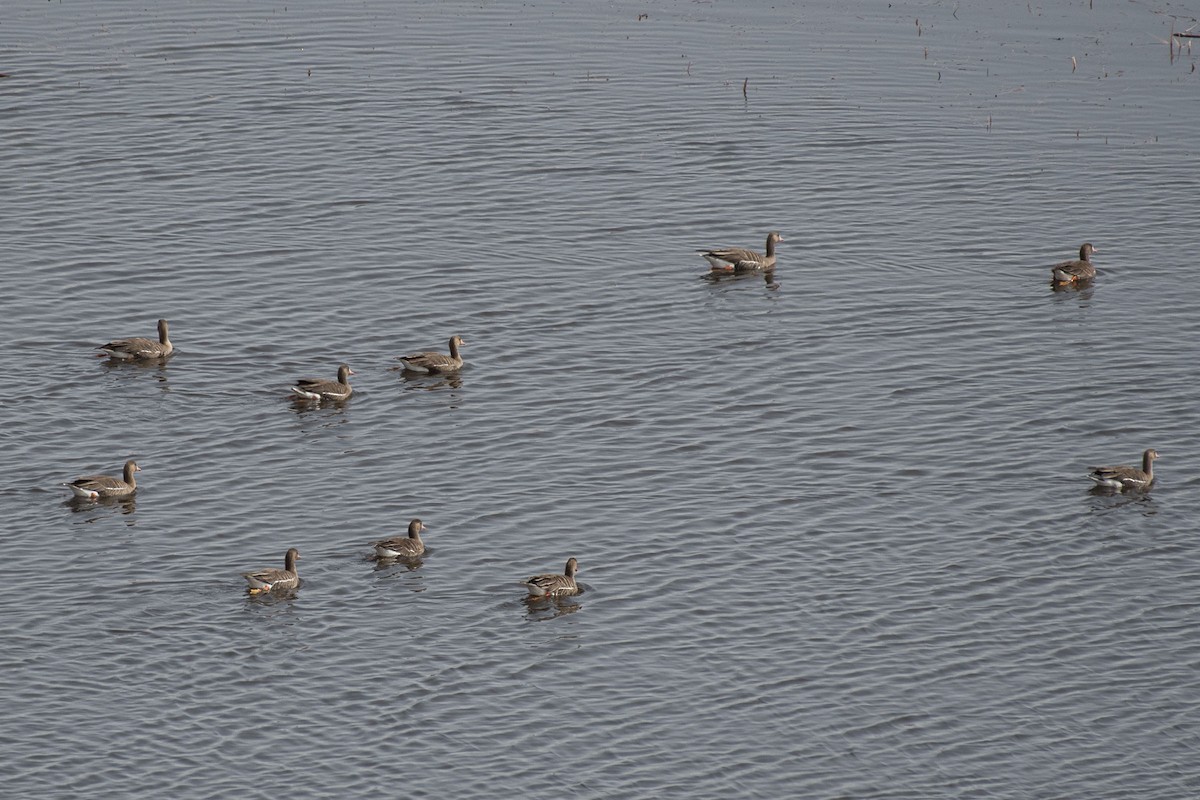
835, 534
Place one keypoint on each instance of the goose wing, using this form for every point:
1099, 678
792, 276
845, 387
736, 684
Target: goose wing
429, 361
737, 257
398, 546
135, 347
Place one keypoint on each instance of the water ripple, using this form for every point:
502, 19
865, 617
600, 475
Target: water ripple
835, 533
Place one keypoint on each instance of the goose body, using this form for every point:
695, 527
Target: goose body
553, 585
409, 546
1075, 271
1126, 478
94, 487
273, 578
436, 362
739, 259
320, 389
138, 347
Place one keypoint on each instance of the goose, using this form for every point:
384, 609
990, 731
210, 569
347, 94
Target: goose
93, 487
409, 546
319, 389
1075, 271
138, 347
552, 585
739, 259
273, 578
436, 362
1123, 478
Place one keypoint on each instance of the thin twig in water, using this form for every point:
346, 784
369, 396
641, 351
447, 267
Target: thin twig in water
745, 83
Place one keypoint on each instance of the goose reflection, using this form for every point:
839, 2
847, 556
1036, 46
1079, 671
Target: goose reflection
429, 381
717, 276
1134, 495
156, 367
1106, 500
1063, 292
409, 564
303, 406
125, 505
540, 609
282, 599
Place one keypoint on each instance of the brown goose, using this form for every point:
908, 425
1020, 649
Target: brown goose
739, 259
554, 585
137, 347
93, 487
1124, 478
1075, 271
436, 362
273, 578
318, 389
409, 546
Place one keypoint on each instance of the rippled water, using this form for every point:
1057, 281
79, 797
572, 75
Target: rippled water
834, 531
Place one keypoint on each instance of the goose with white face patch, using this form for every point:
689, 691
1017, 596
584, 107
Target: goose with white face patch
739, 259
138, 347
433, 362
409, 546
264, 580
553, 585
1126, 478
1078, 271
320, 389
94, 487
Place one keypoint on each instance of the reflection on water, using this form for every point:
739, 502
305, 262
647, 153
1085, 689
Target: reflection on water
102, 506
313, 415
273, 597
405, 570
719, 276
1081, 292
544, 608
155, 367
387, 562
429, 381
302, 405
1108, 498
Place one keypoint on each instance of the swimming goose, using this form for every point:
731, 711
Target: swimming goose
739, 259
137, 347
554, 585
318, 389
409, 546
1123, 478
267, 579
1075, 271
436, 362
93, 487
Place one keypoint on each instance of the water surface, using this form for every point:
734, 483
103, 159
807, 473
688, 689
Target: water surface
834, 529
